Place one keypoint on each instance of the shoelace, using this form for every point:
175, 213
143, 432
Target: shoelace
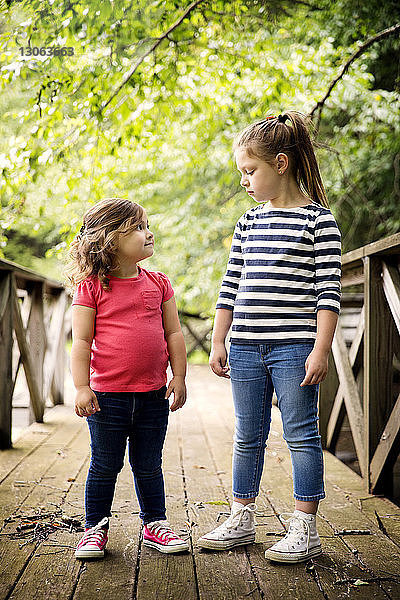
293, 529
236, 519
94, 534
162, 530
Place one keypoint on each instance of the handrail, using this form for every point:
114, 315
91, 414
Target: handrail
32, 310
365, 348
388, 245
28, 274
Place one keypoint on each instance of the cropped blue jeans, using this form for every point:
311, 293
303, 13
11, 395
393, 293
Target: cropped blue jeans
139, 418
256, 371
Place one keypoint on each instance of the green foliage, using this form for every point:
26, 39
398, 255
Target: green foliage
198, 357
156, 124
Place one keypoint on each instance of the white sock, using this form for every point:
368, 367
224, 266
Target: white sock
236, 506
302, 513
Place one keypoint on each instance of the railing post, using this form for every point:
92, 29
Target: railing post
37, 341
327, 393
36, 398
6, 345
378, 359
55, 352
57, 388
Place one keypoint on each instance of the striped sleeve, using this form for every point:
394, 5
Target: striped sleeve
230, 282
327, 247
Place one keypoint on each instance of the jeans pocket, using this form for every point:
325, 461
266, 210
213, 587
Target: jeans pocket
244, 362
290, 363
161, 393
100, 397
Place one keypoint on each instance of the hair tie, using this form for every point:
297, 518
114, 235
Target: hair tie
282, 118
82, 229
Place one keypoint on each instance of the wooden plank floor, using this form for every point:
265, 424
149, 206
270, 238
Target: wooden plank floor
47, 469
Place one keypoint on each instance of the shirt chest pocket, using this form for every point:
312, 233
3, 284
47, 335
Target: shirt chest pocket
151, 300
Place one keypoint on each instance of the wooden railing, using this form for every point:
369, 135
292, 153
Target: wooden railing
196, 331
32, 335
363, 379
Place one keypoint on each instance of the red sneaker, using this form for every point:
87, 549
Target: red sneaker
93, 541
159, 535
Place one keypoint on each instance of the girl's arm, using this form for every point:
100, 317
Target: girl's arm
177, 353
317, 361
82, 337
226, 302
218, 355
328, 289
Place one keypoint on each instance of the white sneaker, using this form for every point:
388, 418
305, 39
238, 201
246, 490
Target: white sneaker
301, 541
237, 530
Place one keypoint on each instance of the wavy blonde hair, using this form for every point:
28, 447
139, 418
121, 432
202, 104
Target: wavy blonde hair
287, 133
93, 251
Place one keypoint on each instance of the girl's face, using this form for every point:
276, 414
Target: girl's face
137, 244
260, 180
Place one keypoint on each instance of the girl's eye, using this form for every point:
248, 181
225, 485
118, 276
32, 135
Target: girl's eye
139, 227
249, 172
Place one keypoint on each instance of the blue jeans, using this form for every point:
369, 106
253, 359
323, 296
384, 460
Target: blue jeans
141, 418
256, 370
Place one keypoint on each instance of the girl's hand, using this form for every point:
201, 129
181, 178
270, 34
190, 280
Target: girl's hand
178, 387
217, 360
316, 367
85, 402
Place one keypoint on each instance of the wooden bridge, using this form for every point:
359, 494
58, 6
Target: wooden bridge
42, 476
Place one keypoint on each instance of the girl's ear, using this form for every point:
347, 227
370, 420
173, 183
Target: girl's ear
282, 162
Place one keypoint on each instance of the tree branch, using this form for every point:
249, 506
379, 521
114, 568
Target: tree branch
156, 43
250, 16
376, 38
302, 2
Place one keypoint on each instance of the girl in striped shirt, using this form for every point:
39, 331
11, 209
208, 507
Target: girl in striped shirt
280, 297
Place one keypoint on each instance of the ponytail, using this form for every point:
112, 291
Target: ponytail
287, 133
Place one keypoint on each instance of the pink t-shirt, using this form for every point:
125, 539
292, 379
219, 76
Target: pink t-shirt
129, 350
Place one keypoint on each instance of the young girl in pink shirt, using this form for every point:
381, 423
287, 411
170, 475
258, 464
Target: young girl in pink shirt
125, 331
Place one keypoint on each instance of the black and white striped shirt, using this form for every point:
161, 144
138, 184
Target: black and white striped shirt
284, 266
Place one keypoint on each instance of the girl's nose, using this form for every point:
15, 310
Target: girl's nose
244, 181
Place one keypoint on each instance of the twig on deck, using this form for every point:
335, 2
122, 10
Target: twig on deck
353, 532
250, 592
59, 545
49, 553
34, 517
368, 580
380, 524
36, 528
